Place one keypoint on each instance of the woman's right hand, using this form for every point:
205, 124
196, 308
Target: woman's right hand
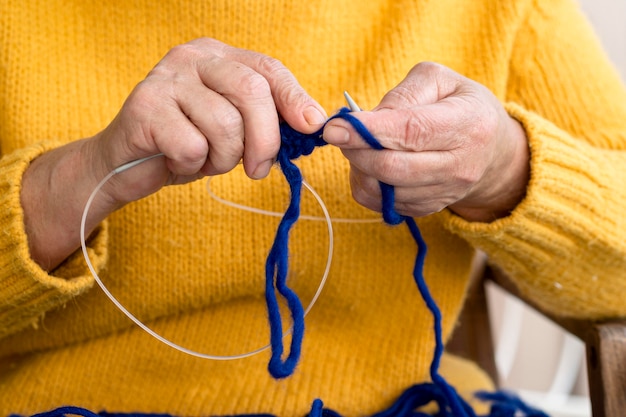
205, 106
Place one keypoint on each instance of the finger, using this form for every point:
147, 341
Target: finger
404, 169
438, 126
408, 201
249, 92
184, 146
365, 190
426, 83
219, 122
424, 201
156, 118
417, 114
294, 104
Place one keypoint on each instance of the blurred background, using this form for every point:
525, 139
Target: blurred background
534, 357
609, 20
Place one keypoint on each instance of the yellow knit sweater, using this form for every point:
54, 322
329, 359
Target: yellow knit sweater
192, 268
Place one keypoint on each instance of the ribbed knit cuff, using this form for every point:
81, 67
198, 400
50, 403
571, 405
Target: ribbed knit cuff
27, 292
554, 244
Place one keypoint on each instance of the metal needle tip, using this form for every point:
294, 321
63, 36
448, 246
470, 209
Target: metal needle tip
353, 106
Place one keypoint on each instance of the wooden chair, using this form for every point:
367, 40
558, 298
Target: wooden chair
605, 343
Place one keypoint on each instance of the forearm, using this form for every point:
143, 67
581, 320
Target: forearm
27, 291
55, 188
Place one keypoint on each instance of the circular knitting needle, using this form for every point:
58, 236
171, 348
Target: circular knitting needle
147, 329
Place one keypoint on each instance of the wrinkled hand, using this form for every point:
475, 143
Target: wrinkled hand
448, 143
205, 106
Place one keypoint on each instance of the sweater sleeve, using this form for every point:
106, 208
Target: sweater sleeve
27, 292
564, 244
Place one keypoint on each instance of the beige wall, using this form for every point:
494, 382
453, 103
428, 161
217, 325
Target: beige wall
609, 20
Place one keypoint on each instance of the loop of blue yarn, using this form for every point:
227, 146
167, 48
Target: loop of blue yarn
450, 404
276, 269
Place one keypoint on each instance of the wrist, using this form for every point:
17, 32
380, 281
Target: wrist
505, 186
55, 188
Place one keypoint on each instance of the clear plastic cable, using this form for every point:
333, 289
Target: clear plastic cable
147, 329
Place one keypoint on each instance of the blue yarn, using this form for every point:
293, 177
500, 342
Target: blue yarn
79, 411
506, 404
293, 145
63, 411
68, 411
450, 403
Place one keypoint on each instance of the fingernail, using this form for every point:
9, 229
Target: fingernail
262, 170
314, 116
336, 135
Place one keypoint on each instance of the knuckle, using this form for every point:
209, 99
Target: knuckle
230, 123
143, 100
182, 50
416, 132
361, 196
288, 93
428, 68
389, 166
187, 55
362, 191
287, 89
227, 142
223, 163
386, 167
252, 83
206, 42
270, 65
180, 55
194, 155
402, 93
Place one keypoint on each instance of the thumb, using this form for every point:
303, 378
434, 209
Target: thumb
415, 129
426, 83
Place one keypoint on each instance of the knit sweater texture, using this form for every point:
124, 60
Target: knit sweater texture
193, 268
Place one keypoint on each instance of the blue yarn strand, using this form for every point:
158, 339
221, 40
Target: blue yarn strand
276, 270
449, 402
455, 403
456, 406
295, 144
64, 411
507, 404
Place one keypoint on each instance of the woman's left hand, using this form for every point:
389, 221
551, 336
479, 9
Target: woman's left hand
449, 143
